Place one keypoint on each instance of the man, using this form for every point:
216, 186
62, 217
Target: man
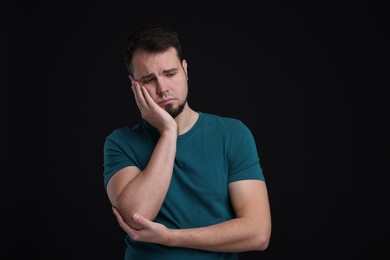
183, 184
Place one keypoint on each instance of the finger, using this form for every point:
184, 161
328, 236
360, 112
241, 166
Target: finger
135, 93
122, 223
148, 99
139, 96
146, 96
120, 220
141, 220
117, 215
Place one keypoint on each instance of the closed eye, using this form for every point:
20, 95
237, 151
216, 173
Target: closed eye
147, 80
170, 73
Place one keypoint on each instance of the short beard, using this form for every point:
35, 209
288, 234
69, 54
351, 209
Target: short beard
175, 112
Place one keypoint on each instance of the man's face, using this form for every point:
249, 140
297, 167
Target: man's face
164, 77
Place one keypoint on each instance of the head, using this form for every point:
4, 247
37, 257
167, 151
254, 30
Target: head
153, 38
153, 57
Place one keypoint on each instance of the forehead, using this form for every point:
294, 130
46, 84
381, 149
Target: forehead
146, 62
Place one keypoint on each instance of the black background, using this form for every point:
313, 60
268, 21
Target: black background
307, 78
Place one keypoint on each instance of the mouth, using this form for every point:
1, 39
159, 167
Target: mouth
165, 101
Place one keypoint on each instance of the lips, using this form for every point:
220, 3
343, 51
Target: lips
165, 101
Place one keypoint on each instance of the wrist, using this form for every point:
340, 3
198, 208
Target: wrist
169, 133
172, 237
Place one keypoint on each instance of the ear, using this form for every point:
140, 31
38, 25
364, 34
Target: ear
184, 65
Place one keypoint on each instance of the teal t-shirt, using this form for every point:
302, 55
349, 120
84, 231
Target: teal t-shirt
213, 153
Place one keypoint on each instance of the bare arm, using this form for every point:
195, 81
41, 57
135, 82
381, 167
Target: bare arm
131, 190
250, 230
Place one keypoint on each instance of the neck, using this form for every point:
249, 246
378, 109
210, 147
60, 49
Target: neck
186, 120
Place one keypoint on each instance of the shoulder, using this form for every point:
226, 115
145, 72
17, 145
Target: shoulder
126, 132
118, 132
221, 120
234, 131
224, 122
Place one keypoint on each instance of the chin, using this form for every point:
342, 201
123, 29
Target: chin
174, 112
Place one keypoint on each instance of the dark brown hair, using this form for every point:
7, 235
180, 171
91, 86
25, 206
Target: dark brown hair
152, 38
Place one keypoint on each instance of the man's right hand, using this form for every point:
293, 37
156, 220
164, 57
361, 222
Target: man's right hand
151, 111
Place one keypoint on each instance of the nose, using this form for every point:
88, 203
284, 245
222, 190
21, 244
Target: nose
161, 87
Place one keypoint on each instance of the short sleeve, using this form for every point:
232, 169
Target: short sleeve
115, 157
243, 158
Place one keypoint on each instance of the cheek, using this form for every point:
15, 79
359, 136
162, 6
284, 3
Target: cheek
152, 91
181, 82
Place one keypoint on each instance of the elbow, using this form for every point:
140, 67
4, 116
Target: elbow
262, 243
262, 240
127, 208
257, 243
129, 211
122, 207
123, 210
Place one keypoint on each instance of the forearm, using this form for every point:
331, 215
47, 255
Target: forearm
250, 230
146, 192
236, 235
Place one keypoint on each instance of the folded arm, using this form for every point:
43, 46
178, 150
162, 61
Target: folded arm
131, 190
249, 230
